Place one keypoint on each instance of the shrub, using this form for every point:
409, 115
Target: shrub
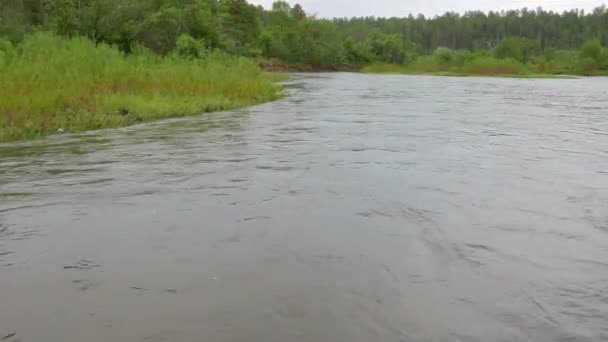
586, 66
550, 54
190, 48
603, 62
591, 50
509, 48
444, 56
493, 66
355, 53
7, 53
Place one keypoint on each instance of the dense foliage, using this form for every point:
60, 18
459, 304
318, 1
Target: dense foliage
286, 33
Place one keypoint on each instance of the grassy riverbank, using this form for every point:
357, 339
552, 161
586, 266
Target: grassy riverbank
591, 60
472, 71
50, 84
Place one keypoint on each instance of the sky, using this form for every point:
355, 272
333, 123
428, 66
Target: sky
402, 8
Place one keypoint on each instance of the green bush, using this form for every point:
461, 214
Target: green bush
355, 53
462, 63
444, 56
190, 48
7, 53
591, 50
586, 66
425, 64
491, 66
509, 48
463, 57
603, 62
519, 49
549, 54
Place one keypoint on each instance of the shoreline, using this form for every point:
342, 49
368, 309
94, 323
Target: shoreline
456, 74
126, 104
282, 68
56, 85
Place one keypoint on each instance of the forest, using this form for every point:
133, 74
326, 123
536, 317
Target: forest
569, 42
73, 65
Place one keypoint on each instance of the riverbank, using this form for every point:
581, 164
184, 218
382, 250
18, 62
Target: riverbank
278, 67
495, 70
50, 84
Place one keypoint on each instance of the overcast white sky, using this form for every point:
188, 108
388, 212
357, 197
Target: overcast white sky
401, 8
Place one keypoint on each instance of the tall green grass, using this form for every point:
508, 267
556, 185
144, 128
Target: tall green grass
481, 63
49, 84
479, 66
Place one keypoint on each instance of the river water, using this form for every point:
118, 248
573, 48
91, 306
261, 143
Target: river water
359, 208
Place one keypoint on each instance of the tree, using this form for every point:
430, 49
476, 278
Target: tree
316, 43
592, 49
201, 21
190, 48
287, 33
240, 26
355, 53
444, 56
280, 16
509, 48
297, 12
281, 6
386, 48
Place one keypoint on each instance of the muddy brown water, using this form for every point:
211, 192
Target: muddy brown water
359, 208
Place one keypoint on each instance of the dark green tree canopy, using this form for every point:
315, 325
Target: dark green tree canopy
288, 33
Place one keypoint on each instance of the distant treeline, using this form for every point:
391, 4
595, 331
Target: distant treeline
286, 33
478, 30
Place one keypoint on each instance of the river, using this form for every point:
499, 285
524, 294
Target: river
359, 208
